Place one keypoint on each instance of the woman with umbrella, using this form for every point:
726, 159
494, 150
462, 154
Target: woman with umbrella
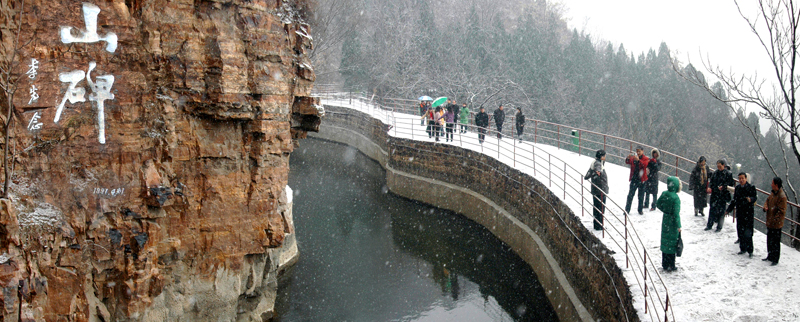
424, 106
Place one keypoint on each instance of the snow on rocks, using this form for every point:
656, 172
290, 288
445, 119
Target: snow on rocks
712, 282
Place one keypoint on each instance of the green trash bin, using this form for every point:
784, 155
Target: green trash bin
575, 140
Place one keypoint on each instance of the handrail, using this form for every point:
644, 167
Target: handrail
558, 138
616, 227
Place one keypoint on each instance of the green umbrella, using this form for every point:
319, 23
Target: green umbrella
439, 101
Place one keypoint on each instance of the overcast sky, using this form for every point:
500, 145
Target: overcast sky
689, 27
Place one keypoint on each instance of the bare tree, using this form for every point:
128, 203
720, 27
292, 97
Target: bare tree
775, 26
10, 45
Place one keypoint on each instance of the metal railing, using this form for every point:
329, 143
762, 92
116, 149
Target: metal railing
584, 142
562, 178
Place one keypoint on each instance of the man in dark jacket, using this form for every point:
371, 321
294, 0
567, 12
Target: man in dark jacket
482, 121
775, 207
637, 177
651, 186
744, 197
456, 111
499, 117
698, 182
597, 174
720, 180
520, 123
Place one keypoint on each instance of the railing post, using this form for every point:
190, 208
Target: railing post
645, 281
558, 136
565, 181
627, 259
533, 156
535, 131
514, 157
676, 167
666, 308
604, 141
580, 132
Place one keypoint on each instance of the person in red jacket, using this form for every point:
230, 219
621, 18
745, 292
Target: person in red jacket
637, 177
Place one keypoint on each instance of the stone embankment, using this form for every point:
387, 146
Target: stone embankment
150, 155
499, 198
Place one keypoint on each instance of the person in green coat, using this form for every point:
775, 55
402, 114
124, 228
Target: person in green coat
464, 117
670, 204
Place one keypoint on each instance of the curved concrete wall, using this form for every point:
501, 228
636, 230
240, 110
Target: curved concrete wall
497, 197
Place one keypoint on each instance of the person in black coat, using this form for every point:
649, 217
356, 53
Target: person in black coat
499, 118
597, 174
698, 183
651, 185
482, 121
520, 123
720, 196
744, 197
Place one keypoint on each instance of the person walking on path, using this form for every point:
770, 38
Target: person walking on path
519, 123
482, 121
499, 118
670, 204
430, 116
423, 108
651, 185
744, 197
775, 207
463, 118
440, 122
698, 183
456, 114
597, 174
450, 119
720, 180
637, 177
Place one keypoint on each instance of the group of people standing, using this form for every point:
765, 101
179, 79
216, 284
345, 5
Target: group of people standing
446, 118
703, 182
442, 122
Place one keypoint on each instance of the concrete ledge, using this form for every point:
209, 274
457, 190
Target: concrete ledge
522, 239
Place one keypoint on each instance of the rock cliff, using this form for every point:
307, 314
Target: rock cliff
150, 151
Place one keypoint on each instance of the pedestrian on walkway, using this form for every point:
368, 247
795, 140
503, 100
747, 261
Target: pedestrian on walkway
423, 108
698, 183
720, 180
482, 122
430, 116
438, 116
456, 114
744, 197
450, 119
440, 120
775, 207
637, 177
651, 185
670, 204
520, 123
463, 118
599, 179
499, 118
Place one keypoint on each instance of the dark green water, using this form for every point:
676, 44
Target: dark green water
369, 255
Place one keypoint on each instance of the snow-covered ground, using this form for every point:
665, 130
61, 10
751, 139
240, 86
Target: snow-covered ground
712, 282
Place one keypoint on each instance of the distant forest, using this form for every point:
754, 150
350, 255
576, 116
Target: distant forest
523, 55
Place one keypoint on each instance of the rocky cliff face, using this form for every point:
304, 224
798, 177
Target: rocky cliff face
150, 158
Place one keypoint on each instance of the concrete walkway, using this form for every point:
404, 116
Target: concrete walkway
712, 283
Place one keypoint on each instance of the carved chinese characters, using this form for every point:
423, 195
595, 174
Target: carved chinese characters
99, 87
89, 34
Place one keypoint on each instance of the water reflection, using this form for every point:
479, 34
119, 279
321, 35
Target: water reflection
368, 255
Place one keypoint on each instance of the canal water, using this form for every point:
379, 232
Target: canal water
369, 255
